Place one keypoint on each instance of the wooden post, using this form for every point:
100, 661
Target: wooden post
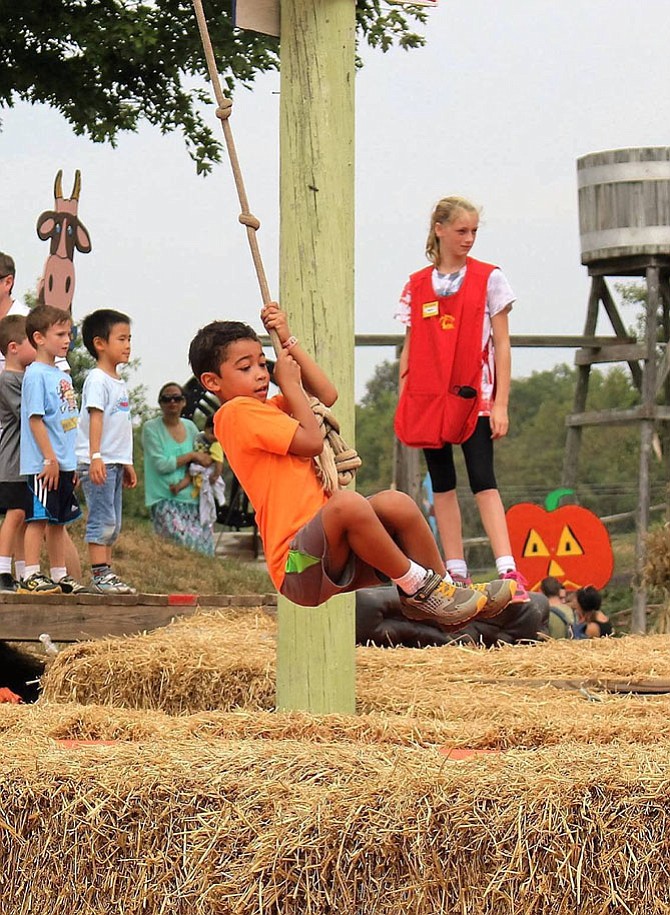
407, 465
663, 384
639, 616
573, 439
316, 647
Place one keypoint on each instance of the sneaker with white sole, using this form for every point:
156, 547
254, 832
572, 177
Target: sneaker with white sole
37, 583
70, 585
109, 583
499, 593
442, 602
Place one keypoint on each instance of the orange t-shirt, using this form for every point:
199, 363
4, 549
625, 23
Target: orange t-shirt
283, 488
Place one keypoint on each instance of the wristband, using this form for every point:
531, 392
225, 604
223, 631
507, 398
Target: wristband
96, 456
46, 462
287, 344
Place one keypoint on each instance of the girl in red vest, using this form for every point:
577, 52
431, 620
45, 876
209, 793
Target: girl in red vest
455, 371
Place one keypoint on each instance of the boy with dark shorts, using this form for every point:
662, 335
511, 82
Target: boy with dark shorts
49, 418
317, 544
18, 353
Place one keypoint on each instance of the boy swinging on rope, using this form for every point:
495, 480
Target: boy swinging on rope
318, 545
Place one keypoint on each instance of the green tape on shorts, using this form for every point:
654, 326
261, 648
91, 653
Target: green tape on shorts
298, 561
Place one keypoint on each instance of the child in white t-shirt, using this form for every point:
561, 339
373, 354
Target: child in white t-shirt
105, 442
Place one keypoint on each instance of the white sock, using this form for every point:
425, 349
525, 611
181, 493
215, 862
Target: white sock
457, 567
505, 564
411, 581
58, 572
5, 565
19, 569
32, 570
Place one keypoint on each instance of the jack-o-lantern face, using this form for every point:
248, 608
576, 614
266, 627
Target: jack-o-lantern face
570, 543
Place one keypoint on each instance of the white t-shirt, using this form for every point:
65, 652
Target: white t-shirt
499, 297
110, 395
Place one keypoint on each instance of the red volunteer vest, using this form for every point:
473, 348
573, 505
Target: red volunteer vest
440, 400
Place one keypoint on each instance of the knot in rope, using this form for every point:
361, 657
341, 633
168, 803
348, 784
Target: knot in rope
248, 219
225, 109
337, 464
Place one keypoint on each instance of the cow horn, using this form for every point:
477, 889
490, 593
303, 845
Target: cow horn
77, 185
58, 185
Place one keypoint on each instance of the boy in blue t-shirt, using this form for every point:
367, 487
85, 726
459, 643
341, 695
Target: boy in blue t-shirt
105, 442
49, 418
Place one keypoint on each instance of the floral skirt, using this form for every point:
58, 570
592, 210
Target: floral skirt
180, 521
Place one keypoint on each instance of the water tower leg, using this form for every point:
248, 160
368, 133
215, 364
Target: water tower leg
573, 439
639, 620
663, 384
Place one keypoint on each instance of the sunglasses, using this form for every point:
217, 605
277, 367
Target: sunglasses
171, 398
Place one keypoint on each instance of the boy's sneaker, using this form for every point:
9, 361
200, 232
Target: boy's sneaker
70, 585
37, 583
499, 593
442, 602
522, 596
7, 582
109, 583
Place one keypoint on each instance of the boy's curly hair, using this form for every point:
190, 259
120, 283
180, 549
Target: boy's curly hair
208, 348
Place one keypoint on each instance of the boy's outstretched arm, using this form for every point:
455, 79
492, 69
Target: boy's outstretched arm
314, 379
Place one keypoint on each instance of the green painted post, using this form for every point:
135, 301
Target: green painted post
316, 647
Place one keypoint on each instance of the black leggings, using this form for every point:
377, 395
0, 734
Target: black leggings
478, 454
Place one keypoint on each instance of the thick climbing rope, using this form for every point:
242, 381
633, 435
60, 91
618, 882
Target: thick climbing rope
337, 463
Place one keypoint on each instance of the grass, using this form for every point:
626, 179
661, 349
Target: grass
157, 566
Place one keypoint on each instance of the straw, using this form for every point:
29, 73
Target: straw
264, 826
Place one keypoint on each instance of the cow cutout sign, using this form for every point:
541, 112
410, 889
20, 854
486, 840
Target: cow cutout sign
66, 233
568, 542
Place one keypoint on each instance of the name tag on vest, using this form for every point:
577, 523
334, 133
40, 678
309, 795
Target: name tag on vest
430, 310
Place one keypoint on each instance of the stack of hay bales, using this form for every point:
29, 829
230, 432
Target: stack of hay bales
176, 788
219, 660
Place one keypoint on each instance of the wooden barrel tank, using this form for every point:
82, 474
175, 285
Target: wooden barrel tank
624, 203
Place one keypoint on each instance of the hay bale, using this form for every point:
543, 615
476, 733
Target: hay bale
214, 660
243, 827
464, 715
226, 661
631, 657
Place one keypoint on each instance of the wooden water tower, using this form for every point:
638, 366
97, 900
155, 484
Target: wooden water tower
624, 226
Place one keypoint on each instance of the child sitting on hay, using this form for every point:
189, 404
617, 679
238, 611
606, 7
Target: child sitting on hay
317, 544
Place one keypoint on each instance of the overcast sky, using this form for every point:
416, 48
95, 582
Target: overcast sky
497, 107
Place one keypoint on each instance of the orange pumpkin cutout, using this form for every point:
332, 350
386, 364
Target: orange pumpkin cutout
568, 542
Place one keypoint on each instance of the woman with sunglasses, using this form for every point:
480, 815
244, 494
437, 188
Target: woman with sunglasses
169, 447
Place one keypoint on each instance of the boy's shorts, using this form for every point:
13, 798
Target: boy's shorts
307, 583
14, 495
55, 506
